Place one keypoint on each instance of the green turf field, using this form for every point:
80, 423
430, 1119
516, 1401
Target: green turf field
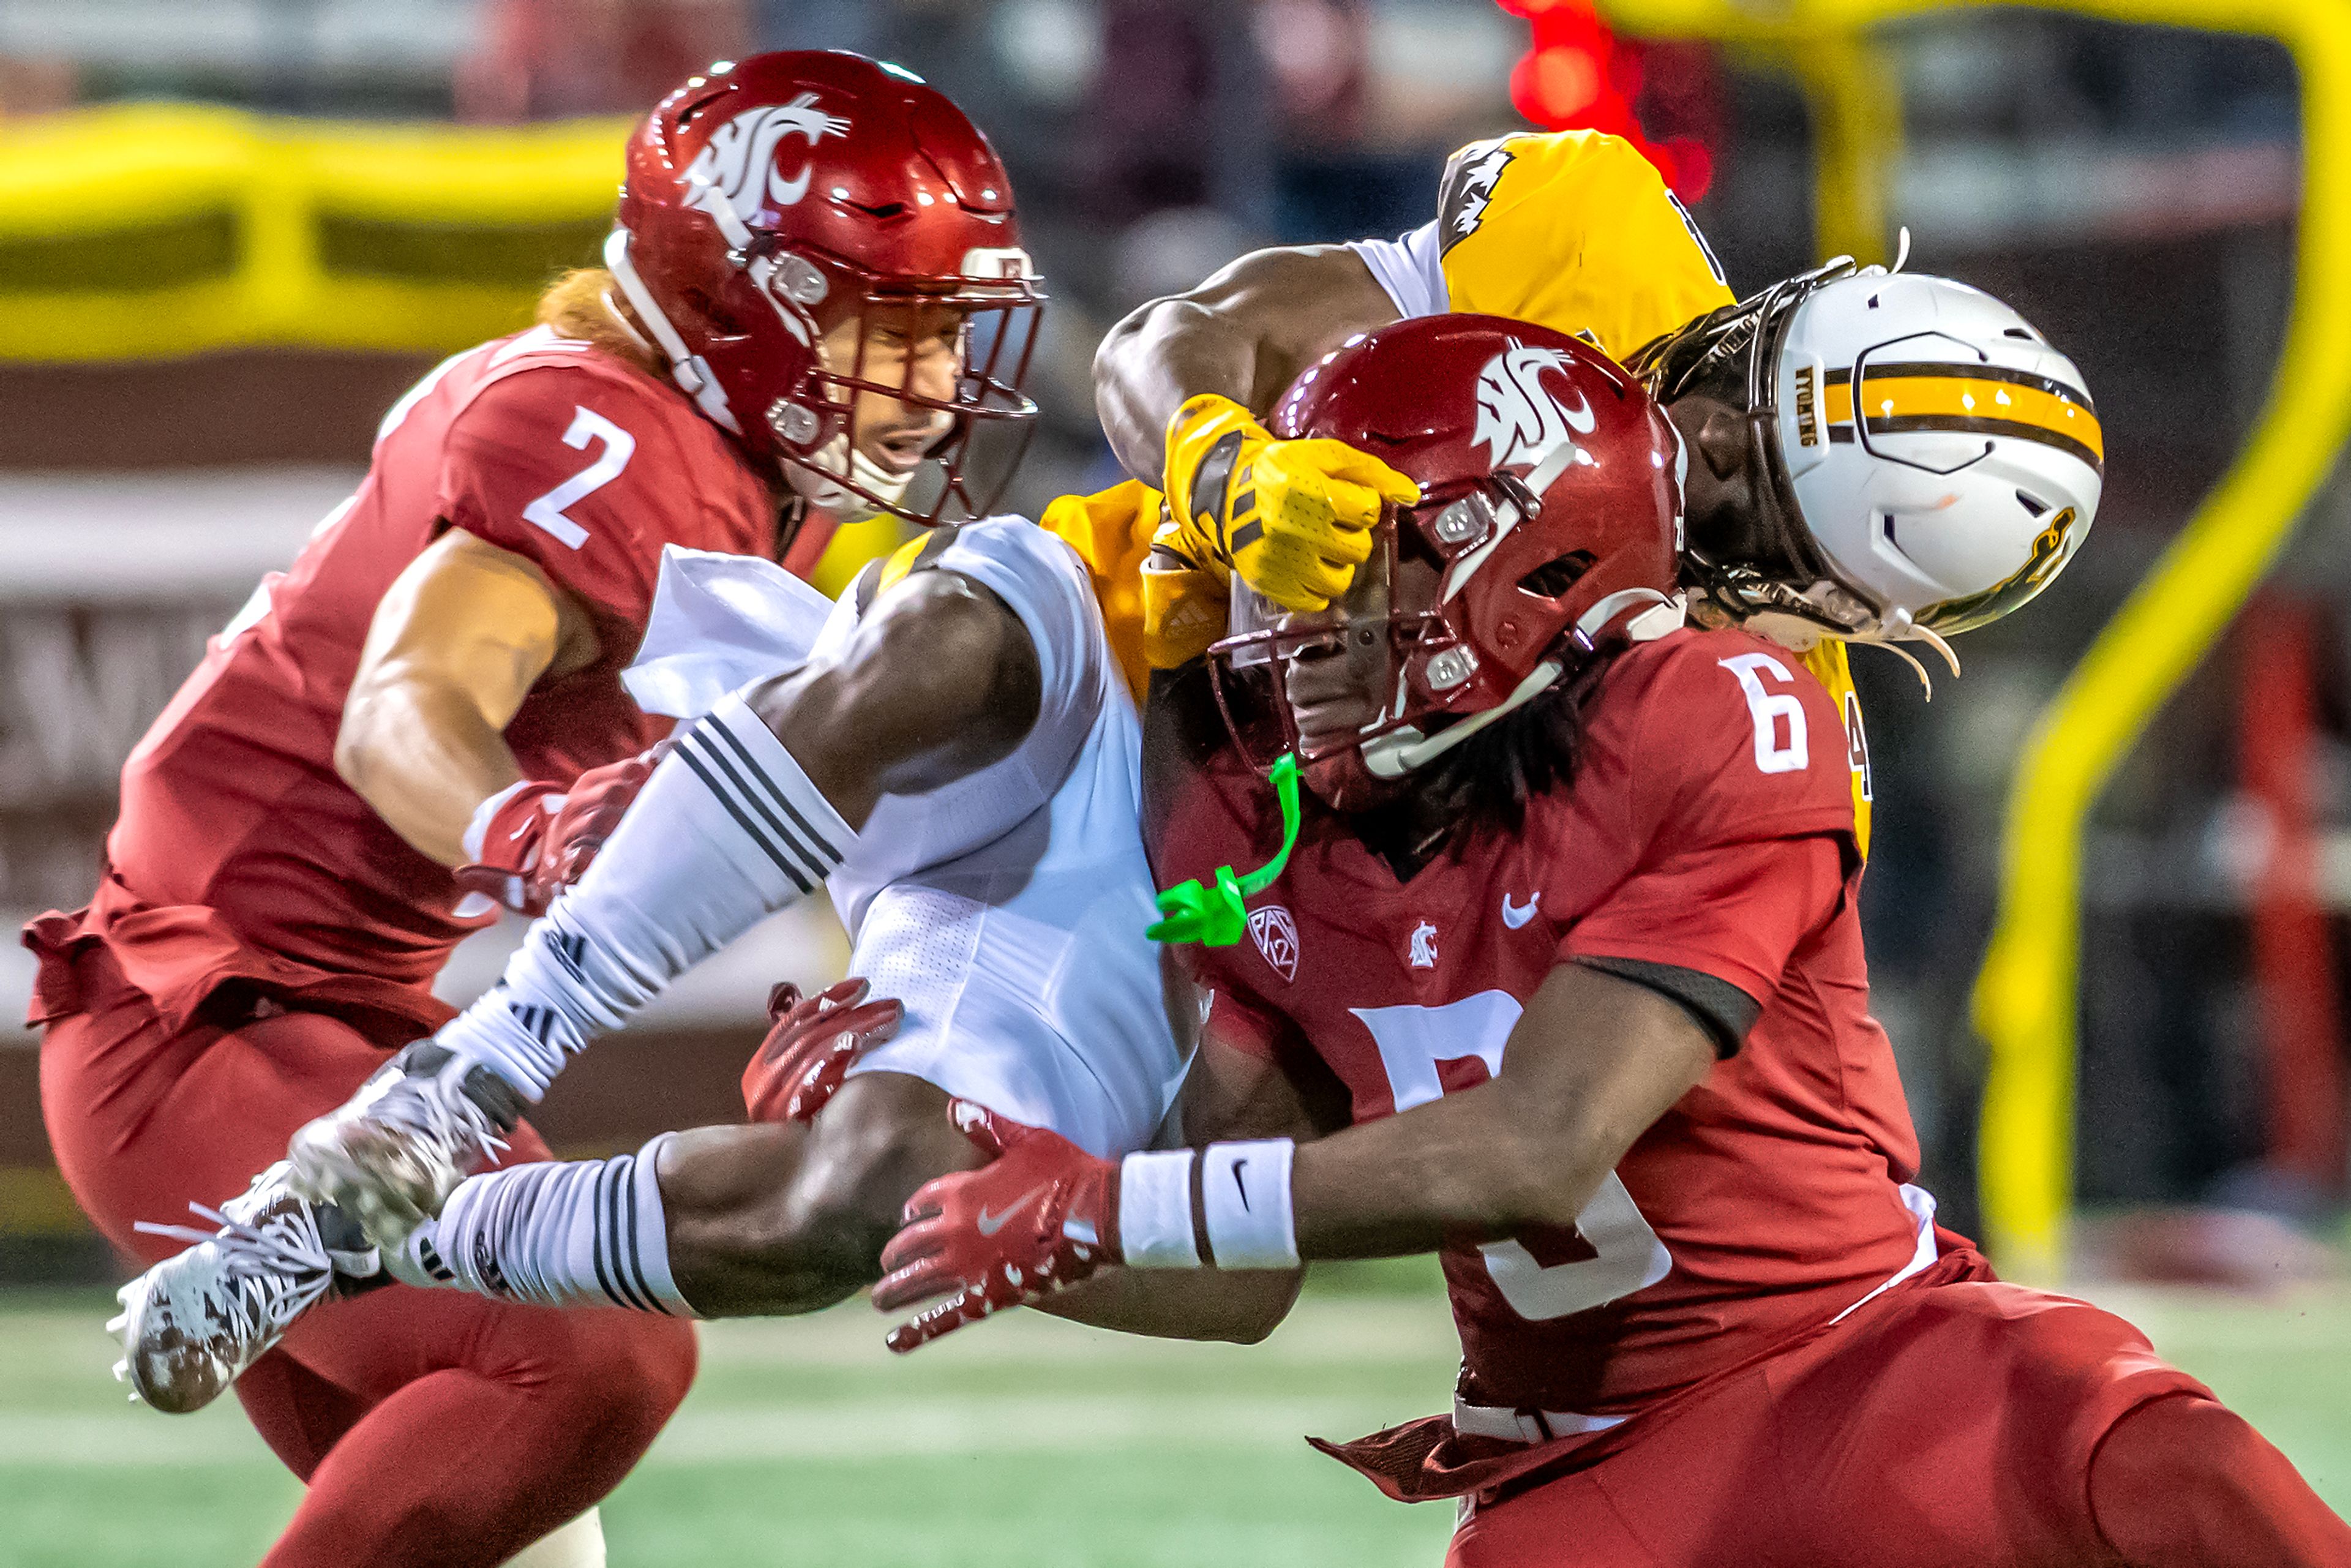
1025, 1442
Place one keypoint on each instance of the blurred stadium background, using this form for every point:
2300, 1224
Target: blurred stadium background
232, 233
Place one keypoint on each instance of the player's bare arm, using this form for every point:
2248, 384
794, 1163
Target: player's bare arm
458, 641
1592, 1062
1244, 333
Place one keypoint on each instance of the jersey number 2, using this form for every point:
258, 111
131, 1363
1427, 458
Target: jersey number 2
1626, 1254
619, 447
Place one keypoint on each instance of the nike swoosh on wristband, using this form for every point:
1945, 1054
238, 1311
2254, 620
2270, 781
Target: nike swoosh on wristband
1240, 1184
989, 1224
1515, 915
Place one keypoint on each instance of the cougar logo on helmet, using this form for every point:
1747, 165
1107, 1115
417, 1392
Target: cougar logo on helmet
739, 165
1519, 417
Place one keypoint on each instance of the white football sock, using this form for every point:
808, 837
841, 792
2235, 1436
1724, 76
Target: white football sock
729, 830
557, 1234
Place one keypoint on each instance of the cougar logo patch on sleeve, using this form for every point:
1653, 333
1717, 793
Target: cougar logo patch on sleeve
738, 166
1467, 187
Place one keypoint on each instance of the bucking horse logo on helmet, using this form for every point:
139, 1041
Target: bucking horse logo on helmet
737, 166
1520, 416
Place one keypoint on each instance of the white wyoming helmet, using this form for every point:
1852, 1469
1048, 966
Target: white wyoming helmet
1936, 462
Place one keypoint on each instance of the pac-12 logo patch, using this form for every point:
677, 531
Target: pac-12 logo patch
1519, 417
1276, 935
738, 166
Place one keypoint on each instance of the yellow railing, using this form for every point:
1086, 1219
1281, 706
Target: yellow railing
156, 231
161, 230
2027, 998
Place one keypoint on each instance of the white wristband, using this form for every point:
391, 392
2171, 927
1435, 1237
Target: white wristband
1245, 1204
1225, 1207
1155, 1210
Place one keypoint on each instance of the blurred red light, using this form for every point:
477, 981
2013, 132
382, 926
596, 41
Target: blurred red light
1566, 83
1578, 76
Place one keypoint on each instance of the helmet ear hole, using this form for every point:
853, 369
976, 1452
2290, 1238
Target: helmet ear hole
1553, 579
2033, 506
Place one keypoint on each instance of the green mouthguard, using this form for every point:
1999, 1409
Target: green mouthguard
1215, 918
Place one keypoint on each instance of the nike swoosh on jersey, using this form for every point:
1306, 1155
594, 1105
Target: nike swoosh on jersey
1515, 915
989, 1224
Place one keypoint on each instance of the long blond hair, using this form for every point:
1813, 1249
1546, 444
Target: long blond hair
585, 304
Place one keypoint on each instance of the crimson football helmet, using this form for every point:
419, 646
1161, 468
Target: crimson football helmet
768, 201
1548, 531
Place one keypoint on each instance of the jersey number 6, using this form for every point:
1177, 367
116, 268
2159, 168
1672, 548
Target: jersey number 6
1626, 1254
547, 512
1772, 711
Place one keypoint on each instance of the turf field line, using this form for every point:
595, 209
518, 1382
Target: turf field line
924, 1428
1319, 1334
1078, 1424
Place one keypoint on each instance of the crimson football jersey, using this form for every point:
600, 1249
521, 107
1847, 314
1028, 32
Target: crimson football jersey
538, 445
1709, 828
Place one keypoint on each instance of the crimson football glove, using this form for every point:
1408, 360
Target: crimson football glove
810, 1047
1041, 1216
542, 836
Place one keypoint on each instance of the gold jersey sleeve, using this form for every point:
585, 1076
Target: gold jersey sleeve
1572, 230
1111, 530
1833, 668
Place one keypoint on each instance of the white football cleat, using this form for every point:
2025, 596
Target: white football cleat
393, 1154
191, 1325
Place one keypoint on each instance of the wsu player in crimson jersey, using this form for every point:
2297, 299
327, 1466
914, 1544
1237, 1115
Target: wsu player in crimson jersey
422, 720
1563, 980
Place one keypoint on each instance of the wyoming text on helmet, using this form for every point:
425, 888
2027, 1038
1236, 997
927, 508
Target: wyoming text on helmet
781, 217
1934, 461
1547, 531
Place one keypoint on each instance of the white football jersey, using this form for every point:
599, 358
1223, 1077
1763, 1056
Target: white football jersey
1006, 909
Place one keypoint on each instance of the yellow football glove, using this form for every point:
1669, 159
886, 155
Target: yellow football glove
1294, 518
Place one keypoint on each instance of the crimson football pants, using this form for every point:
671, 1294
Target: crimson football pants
1971, 1425
433, 1428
